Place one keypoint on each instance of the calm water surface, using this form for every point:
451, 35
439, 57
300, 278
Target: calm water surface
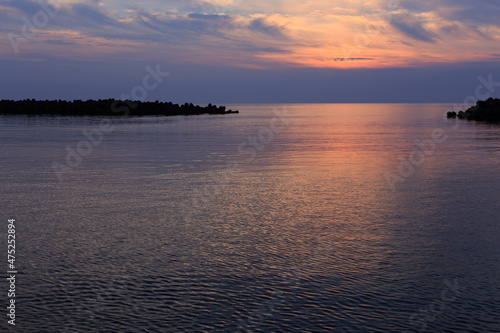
283, 218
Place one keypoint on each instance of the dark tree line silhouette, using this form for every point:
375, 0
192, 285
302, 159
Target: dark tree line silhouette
107, 107
488, 111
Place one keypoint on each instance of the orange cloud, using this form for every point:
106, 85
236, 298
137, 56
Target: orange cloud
329, 34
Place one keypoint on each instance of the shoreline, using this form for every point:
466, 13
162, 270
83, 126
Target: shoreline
107, 107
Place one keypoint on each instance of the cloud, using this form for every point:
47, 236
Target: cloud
212, 24
26, 6
59, 42
261, 26
191, 24
289, 32
411, 26
471, 13
171, 29
347, 59
91, 13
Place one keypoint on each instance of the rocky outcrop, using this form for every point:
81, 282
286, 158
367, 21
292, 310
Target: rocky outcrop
488, 110
107, 107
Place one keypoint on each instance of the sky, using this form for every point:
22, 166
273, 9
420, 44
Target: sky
239, 51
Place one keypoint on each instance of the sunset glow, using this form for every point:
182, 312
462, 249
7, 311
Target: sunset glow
258, 35
345, 34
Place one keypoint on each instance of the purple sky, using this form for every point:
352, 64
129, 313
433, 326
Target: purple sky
228, 51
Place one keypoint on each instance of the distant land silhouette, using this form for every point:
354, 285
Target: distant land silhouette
107, 107
488, 110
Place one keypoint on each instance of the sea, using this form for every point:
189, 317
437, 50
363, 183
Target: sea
282, 218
